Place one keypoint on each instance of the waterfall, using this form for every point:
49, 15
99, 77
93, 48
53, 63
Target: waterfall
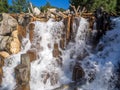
49, 72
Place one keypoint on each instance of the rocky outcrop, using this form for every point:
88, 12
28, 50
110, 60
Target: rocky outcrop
9, 40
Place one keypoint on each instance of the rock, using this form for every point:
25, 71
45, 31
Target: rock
45, 77
62, 42
59, 61
23, 87
56, 52
4, 54
11, 44
24, 19
78, 73
22, 31
8, 24
31, 31
54, 78
82, 55
15, 34
1, 75
32, 54
15, 46
25, 60
22, 74
3, 42
36, 11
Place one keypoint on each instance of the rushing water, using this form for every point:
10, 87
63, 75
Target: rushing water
98, 66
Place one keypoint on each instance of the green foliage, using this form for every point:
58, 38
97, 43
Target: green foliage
44, 8
108, 5
4, 7
82, 3
19, 6
91, 5
118, 7
48, 5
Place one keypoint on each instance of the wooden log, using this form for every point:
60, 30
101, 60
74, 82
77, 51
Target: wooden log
68, 29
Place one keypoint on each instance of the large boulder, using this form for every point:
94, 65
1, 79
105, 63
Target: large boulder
7, 24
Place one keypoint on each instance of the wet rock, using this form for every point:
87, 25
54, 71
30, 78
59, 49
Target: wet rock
8, 24
54, 78
23, 87
74, 27
45, 77
78, 73
22, 31
21, 74
59, 61
100, 47
62, 42
56, 51
3, 55
25, 60
31, 31
82, 55
32, 54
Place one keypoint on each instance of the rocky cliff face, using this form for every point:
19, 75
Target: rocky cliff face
9, 34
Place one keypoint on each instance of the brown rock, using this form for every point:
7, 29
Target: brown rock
56, 52
78, 73
23, 87
21, 74
54, 79
22, 31
25, 60
15, 46
4, 54
62, 42
32, 54
31, 31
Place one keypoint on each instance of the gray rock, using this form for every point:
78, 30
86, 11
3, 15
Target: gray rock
7, 24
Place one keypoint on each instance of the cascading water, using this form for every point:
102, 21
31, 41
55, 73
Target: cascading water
47, 73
